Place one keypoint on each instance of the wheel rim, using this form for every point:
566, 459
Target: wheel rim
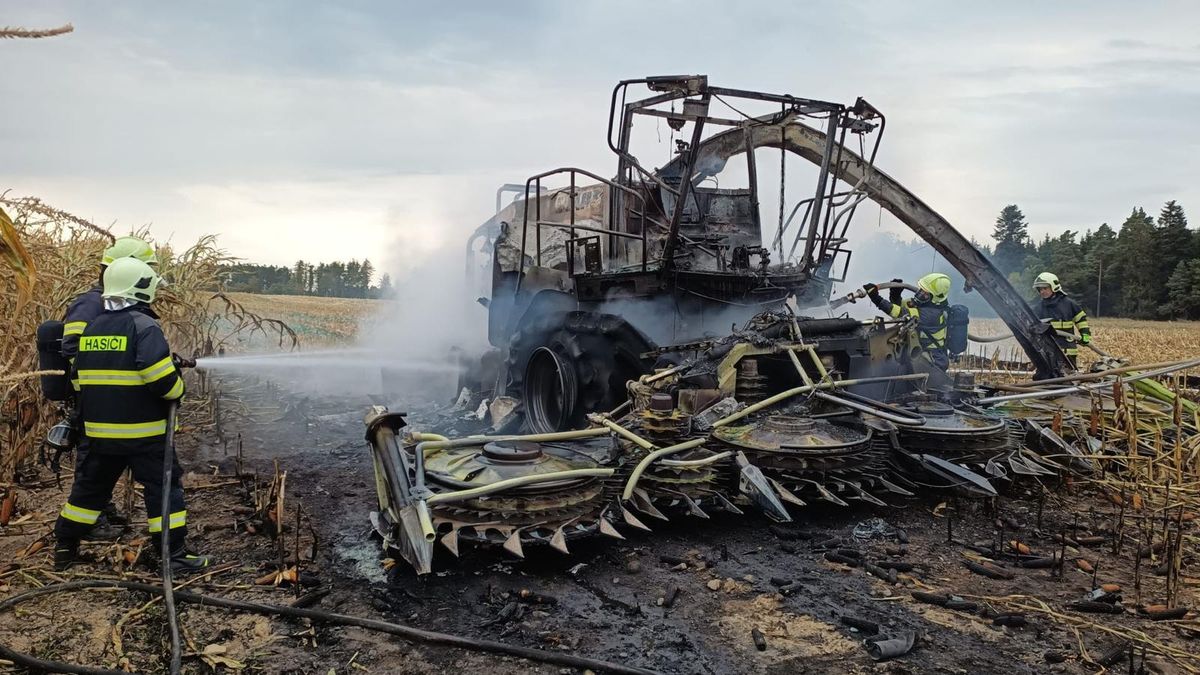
550, 391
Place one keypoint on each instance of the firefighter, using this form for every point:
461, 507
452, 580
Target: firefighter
126, 378
87, 306
1063, 314
928, 307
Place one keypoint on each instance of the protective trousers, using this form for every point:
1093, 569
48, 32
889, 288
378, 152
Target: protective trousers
95, 478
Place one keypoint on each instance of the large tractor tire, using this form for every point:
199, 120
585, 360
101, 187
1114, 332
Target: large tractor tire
564, 365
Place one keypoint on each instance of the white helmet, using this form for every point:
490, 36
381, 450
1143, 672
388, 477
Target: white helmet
131, 279
1047, 280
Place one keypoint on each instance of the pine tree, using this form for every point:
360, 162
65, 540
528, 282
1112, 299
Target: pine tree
1011, 234
1100, 291
1174, 242
1183, 291
366, 272
1142, 281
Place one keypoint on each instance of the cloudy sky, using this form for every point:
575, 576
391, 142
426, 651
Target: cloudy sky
308, 130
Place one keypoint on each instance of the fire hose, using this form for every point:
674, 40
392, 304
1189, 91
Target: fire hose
169, 597
318, 616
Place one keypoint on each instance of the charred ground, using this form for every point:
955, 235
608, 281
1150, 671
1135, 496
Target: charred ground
688, 598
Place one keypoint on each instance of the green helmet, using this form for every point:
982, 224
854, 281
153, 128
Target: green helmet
937, 285
129, 247
1047, 280
131, 279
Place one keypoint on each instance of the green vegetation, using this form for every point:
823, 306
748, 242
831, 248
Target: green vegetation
330, 280
1148, 269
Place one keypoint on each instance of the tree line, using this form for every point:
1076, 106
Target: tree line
337, 279
1149, 268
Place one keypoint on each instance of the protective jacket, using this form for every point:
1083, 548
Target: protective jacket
1065, 315
83, 309
125, 378
931, 324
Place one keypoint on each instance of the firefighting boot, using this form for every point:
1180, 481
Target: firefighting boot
185, 563
114, 515
105, 529
66, 554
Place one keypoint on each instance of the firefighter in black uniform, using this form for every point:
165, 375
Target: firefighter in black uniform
84, 308
928, 306
1063, 314
126, 378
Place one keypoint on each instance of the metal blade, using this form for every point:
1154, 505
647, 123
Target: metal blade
558, 541
632, 520
892, 487
450, 541
864, 495
785, 494
607, 529
727, 505
826, 494
641, 500
958, 476
1056, 449
755, 486
995, 469
384, 531
513, 544
693, 507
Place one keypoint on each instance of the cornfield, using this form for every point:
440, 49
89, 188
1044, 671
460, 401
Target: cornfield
49, 257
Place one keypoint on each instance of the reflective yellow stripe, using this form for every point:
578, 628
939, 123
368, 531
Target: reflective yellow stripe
176, 390
1082, 325
136, 430
176, 520
895, 311
157, 371
78, 514
1072, 351
74, 328
938, 334
103, 343
112, 378
1080, 316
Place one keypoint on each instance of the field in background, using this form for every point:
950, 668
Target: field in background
319, 322
1139, 341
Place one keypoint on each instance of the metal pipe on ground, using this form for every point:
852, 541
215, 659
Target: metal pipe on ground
1050, 393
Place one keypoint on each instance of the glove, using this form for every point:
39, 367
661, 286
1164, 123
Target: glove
871, 289
897, 281
894, 294
1086, 338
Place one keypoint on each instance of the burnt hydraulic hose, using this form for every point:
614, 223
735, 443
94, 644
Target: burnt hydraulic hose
400, 630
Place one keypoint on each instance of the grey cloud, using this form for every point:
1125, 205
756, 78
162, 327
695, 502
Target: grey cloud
1073, 113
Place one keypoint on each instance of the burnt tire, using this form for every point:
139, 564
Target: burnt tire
564, 365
